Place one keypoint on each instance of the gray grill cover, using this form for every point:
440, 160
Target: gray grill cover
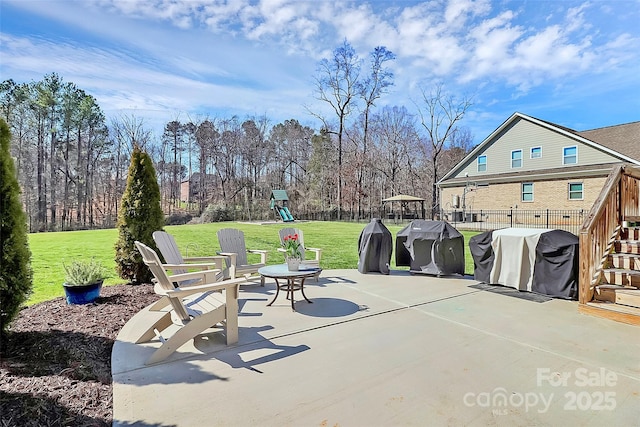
482, 254
430, 247
374, 248
556, 268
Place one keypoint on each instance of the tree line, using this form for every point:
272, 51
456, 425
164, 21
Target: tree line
71, 163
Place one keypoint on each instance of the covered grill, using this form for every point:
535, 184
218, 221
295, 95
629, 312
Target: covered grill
430, 247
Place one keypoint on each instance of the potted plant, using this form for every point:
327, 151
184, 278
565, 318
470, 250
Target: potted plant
83, 281
292, 254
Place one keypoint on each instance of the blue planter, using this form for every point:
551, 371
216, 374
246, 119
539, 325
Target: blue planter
82, 294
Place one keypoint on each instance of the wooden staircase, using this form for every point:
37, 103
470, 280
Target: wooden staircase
618, 292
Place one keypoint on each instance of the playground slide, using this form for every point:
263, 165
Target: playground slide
287, 213
284, 213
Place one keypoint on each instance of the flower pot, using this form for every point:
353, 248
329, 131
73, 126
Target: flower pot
293, 264
85, 294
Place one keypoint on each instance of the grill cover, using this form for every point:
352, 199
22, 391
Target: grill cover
482, 254
430, 247
374, 248
555, 269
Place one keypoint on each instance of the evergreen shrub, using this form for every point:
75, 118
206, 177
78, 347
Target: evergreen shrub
139, 216
16, 276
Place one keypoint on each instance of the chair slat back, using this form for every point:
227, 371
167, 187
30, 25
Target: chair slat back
232, 240
169, 249
151, 259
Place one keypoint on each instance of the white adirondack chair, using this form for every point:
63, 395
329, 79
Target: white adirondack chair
232, 244
193, 309
179, 264
315, 261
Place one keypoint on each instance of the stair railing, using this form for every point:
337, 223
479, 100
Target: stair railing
619, 198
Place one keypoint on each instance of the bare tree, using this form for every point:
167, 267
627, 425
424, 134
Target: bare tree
371, 89
126, 132
206, 137
395, 139
337, 85
256, 149
173, 138
439, 115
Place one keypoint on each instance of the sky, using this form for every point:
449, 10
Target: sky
573, 63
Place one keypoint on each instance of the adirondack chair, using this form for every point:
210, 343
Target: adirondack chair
179, 264
290, 231
232, 244
193, 309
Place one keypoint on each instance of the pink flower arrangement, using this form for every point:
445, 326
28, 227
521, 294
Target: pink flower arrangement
292, 246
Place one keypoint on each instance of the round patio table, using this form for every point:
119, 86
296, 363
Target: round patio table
294, 279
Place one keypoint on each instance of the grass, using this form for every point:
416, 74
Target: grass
339, 241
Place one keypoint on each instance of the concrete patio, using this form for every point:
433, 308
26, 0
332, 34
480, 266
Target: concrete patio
376, 350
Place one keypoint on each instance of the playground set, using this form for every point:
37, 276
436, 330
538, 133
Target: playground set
279, 202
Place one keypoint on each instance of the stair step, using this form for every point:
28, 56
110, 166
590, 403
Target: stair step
628, 297
630, 233
606, 292
608, 310
627, 246
622, 277
618, 294
626, 261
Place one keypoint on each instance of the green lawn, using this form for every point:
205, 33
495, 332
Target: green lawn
339, 241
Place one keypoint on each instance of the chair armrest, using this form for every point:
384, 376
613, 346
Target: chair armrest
318, 252
217, 260
230, 285
233, 257
202, 266
263, 254
207, 276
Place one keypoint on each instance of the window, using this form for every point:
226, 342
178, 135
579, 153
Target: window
575, 191
527, 192
482, 163
536, 152
570, 155
516, 159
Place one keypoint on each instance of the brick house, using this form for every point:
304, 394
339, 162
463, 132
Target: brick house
190, 187
528, 163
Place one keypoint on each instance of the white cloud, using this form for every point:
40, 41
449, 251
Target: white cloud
168, 55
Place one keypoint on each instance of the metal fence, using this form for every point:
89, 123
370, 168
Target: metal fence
479, 220
569, 220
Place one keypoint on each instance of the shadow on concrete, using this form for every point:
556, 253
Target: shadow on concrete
329, 307
260, 352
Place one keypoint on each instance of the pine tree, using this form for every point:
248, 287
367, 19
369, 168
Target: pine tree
16, 277
140, 215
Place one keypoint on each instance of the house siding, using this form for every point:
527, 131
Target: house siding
524, 135
552, 194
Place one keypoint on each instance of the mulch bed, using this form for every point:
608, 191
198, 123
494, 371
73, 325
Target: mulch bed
55, 368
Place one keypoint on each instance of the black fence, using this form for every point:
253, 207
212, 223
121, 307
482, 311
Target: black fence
568, 220
480, 220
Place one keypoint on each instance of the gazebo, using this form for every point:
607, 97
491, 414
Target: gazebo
404, 200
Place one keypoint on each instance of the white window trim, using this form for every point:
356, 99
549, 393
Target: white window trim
522, 192
531, 152
521, 160
569, 191
564, 157
478, 163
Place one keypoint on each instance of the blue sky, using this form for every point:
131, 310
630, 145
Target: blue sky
574, 63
